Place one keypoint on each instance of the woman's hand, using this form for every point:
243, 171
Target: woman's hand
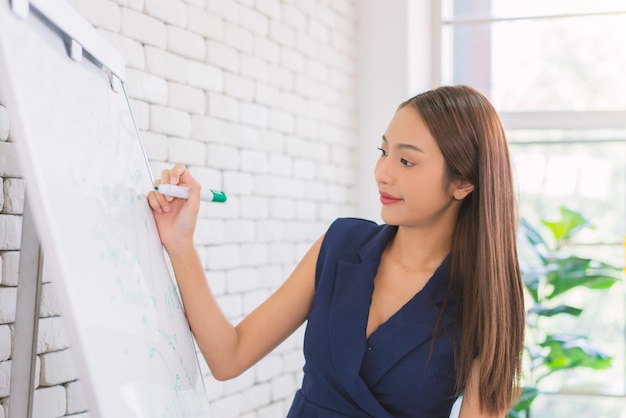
176, 218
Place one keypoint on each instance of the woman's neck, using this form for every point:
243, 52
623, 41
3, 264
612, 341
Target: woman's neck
416, 249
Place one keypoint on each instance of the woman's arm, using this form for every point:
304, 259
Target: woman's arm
470, 407
228, 350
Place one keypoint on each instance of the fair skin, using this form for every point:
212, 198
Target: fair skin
417, 198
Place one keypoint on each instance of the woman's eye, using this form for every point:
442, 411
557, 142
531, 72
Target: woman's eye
383, 153
406, 162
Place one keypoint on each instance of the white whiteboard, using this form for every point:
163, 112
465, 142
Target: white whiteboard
86, 181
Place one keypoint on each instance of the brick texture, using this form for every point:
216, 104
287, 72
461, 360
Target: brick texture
4, 123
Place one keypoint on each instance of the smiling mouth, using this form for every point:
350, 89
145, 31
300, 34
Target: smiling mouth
387, 199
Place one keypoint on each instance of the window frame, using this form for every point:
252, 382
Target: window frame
530, 119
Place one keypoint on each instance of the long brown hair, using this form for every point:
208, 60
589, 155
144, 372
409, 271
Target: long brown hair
484, 268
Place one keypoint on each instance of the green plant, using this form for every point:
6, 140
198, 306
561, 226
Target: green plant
549, 272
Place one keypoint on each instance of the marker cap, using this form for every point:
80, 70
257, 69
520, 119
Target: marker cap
218, 196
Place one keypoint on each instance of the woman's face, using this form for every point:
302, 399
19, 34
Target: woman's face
410, 174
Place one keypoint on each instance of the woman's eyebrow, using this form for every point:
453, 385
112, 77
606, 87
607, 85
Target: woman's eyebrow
405, 146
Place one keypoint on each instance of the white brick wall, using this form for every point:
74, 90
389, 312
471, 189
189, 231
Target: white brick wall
5, 378
13, 196
75, 399
257, 97
49, 402
4, 123
5, 337
8, 302
10, 267
57, 367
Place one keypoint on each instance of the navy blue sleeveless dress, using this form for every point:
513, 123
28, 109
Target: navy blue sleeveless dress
392, 373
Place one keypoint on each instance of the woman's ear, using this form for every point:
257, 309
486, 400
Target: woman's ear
462, 189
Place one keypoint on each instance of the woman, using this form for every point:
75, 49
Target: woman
401, 317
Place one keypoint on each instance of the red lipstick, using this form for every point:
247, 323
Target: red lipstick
387, 199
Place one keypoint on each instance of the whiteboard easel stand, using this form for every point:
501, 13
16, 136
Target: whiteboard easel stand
26, 320
23, 367
31, 260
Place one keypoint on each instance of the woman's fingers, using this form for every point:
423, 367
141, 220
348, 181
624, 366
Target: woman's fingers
175, 173
153, 201
158, 201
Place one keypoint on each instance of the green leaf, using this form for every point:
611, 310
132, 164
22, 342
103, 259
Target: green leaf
535, 353
573, 272
538, 245
570, 223
532, 235
560, 309
566, 352
531, 282
532, 277
528, 395
549, 271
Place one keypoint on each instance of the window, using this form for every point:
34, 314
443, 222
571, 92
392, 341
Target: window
555, 70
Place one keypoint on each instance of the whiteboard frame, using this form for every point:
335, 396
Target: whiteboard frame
72, 25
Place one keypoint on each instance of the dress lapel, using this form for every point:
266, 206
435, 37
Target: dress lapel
411, 327
349, 311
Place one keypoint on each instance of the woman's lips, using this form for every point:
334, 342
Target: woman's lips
387, 199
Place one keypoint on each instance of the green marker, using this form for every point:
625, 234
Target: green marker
183, 193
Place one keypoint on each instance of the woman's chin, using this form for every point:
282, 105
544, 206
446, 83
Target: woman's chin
389, 218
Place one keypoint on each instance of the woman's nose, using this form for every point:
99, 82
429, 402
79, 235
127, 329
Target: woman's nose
383, 172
